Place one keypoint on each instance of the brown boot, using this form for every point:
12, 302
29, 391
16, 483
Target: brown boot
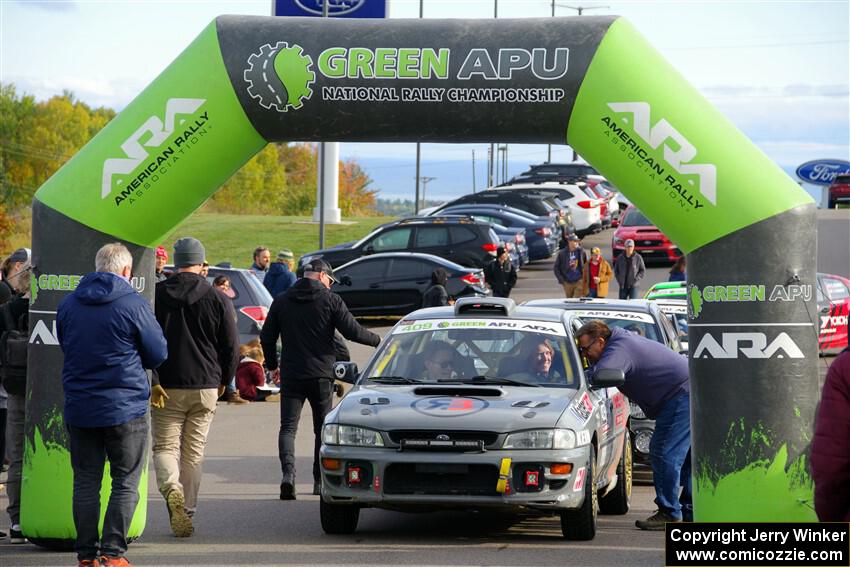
235, 398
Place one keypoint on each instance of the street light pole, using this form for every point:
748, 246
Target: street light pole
580, 10
492, 145
418, 145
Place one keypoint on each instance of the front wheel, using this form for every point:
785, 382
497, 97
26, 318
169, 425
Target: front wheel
580, 524
338, 520
617, 501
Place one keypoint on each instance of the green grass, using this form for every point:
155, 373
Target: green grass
232, 238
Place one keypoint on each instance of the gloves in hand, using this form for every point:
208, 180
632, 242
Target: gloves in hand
158, 396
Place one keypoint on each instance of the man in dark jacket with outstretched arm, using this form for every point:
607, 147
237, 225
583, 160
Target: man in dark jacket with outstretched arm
203, 348
109, 336
305, 318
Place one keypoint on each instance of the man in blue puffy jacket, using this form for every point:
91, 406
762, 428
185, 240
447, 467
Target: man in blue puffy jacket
109, 336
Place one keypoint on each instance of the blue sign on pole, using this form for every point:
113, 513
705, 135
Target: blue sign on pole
822, 171
336, 8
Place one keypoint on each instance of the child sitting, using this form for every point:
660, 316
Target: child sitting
250, 376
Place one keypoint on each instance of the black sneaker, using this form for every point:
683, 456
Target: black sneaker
16, 535
287, 491
317, 489
656, 522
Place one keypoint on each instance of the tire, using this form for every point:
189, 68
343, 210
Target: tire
338, 520
580, 524
618, 501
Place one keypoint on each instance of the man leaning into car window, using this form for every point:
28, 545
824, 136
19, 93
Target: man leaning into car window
439, 361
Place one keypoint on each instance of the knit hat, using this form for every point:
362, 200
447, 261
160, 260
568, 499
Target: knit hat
285, 254
20, 255
161, 252
188, 251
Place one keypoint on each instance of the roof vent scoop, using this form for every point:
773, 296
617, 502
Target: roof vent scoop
485, 306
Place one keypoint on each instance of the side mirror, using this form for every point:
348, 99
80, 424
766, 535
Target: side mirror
369, 250
347, 372
607, 378
345, 280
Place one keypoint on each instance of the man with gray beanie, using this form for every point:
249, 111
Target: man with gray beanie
203, 351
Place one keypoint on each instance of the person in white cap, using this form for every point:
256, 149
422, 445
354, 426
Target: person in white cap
629, 269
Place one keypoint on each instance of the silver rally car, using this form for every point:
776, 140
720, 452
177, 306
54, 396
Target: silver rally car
478, 406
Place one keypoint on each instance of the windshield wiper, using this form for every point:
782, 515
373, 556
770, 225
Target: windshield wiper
394, 380
488, 380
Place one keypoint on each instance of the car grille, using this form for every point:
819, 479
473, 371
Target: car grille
441, 479
397, 436
643, 242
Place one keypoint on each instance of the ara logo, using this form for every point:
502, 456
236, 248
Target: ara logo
750, 345
155, 131
43, 335
678, 151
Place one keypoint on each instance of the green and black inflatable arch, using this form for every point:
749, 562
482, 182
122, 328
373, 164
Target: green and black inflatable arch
591, 82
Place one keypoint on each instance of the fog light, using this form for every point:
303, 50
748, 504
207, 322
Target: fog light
354, 476
561, 468
331, 464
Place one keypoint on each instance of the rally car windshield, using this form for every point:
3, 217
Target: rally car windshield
477, 351
641, 323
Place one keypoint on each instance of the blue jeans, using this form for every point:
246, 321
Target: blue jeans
592, 293
126, 447
670, 456
629, 292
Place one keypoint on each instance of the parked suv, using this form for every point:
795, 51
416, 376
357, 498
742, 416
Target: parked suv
462, 240
529, 203
585, 210
839, 191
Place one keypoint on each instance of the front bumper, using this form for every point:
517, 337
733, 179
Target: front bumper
389, 478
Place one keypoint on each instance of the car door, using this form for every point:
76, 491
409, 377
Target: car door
405, 283
360, 285
433, 239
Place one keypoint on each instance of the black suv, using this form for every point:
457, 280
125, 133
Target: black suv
534, 204
461, 240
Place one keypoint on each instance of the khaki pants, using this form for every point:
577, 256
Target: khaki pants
179, 433
572, 289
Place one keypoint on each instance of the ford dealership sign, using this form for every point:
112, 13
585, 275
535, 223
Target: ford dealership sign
822, 171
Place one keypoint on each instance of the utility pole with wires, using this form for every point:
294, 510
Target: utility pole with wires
492, 153
580, 10
425, 180
418, 145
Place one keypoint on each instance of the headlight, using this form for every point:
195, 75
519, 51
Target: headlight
635, 411
541, 439
618, 241
334, 434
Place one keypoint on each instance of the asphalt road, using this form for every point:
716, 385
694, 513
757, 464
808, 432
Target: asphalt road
241, 521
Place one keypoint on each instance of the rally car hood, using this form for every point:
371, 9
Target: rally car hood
494, 408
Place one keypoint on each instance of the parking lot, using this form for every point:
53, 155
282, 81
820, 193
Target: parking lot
241, 520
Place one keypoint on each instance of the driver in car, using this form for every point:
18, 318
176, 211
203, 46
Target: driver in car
439, 361
540, 360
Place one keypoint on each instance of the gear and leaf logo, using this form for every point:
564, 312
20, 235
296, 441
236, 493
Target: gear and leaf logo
694, 301
280, 76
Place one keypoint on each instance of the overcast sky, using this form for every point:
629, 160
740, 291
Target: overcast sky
779, 70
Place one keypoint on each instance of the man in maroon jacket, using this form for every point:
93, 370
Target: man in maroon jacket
831, 446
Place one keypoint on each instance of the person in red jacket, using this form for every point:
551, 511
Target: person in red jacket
831, 445
250, 374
